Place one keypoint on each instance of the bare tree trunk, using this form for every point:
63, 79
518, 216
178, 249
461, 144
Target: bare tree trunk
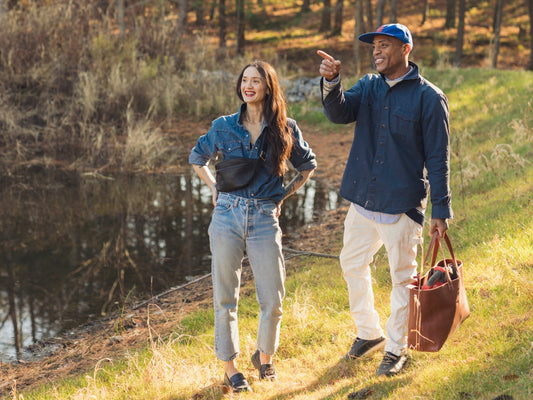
425, 11
337, 26
497, 26
450, 13
198, 6
369, 16
212, 10
325, 24
183, 6
359, 17
393, 11
241, 23
460, 34
530, 6
222, 24
379, 12
306, 6
120, 17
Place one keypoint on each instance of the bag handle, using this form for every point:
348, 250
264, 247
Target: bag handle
435, 244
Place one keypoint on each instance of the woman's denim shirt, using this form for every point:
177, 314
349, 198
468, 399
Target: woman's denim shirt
400, 133
228, 137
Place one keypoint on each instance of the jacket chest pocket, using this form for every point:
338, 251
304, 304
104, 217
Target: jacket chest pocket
404, 124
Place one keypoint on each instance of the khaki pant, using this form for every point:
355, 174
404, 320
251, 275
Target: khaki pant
362, 239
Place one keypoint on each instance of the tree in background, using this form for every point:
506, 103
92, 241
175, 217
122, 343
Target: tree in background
222, 24
198, 7
337, 25
497, 30
120, 17
450, 13
359, 17
425, 11
379, 12
530, 7
241, 22
325, 24
393, 11
183, 6
369, 16
460, 34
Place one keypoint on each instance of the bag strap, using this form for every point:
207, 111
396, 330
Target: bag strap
433, 245
263, 154
435, 251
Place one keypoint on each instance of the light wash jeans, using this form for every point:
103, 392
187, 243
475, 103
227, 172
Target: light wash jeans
362, 239
240, 224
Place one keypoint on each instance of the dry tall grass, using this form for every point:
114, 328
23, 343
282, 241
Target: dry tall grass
69, 81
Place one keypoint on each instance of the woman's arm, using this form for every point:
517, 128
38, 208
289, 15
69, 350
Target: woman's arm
205, 175
294, 185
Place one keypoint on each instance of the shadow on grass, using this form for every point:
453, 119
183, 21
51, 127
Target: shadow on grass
373, 387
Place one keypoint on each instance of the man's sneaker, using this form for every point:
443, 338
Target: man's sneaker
363, 347
391, 364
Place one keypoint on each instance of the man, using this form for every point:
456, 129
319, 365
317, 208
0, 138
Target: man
400, 149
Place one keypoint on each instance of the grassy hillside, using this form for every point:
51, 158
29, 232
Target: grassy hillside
490, 355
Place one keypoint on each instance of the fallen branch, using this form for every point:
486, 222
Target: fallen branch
308, 253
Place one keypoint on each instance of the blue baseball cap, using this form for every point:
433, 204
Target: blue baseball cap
398, 31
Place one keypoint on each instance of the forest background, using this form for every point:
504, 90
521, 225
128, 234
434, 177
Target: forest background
104, 87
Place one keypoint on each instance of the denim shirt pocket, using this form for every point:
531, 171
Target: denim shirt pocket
403, 124
231, 149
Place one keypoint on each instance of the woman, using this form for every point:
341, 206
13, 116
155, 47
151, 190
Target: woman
246, 219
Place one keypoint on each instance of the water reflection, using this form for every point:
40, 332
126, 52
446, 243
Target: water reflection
74, 248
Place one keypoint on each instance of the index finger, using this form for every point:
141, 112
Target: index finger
325, 55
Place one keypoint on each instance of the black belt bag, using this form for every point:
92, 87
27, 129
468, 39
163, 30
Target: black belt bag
236, 173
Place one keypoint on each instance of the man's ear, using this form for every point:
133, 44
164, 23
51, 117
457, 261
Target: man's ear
407, 49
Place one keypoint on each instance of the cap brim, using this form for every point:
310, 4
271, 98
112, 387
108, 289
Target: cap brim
369, 37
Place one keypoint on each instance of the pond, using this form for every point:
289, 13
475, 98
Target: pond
76, 247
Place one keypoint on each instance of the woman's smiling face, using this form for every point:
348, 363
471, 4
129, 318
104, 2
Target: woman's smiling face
253, 86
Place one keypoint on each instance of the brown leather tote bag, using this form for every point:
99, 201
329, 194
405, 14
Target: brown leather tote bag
436, 313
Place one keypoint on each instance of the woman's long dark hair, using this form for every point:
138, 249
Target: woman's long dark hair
279, 137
